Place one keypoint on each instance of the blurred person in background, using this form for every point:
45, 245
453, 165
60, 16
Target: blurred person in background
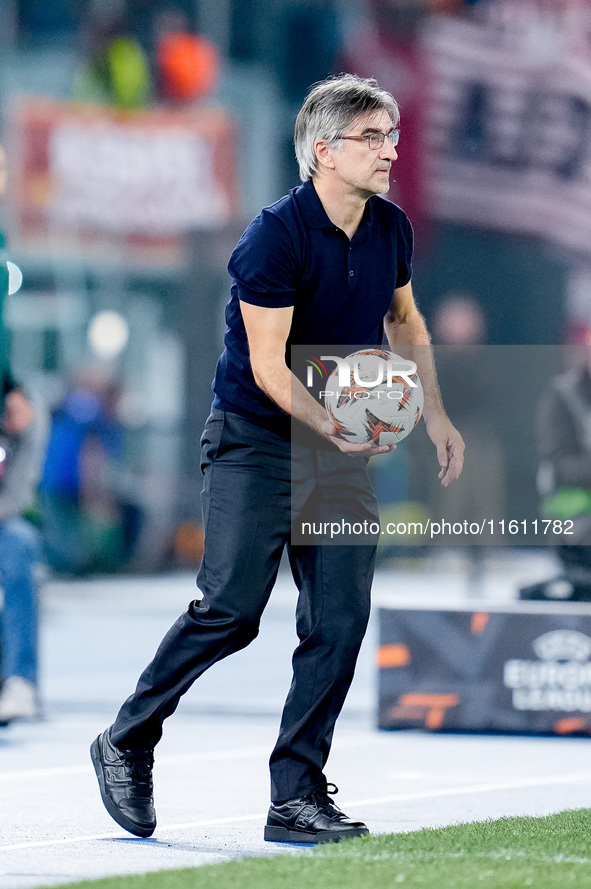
459, 328
88, 525
16, 411
331, 263
22, 437
116, 70
564, 481
187, 64
21, 458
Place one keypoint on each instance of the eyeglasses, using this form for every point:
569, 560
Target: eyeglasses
376, 139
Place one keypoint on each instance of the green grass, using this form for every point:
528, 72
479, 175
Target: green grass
547, 853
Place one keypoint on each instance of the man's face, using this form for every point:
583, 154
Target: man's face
366, 170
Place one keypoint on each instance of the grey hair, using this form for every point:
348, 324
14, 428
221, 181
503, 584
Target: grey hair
328, 111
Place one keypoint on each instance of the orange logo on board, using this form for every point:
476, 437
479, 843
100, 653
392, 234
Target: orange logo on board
429, 708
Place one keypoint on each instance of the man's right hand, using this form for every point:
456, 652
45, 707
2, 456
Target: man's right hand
329, 432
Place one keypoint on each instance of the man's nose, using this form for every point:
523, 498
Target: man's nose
388, 150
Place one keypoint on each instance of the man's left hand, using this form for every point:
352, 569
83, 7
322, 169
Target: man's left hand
450, 447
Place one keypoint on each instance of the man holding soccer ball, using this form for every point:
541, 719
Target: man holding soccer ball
329, 263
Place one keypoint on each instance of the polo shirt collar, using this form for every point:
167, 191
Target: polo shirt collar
314, 213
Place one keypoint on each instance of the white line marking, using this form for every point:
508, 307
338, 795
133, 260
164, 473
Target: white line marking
474, 788
172, 759
401, 797
42, 843
116, 836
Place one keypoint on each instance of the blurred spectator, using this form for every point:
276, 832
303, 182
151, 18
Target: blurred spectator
88, 524
467, 381
188, 65
15, 409
22, 429
464, 370
23, 436
116, 71
564, 481
21, 457
459, 320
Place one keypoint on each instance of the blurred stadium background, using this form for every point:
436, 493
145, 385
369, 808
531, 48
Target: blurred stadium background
142, 136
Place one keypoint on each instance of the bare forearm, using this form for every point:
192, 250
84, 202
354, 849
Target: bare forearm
277, 381
268, 331
410, 339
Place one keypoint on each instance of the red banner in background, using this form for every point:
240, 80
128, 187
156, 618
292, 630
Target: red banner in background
509, 127
86, 176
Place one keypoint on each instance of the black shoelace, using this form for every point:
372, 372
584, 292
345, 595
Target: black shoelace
320, 794
140, 764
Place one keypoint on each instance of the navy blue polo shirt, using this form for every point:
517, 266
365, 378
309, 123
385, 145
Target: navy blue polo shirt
291, 254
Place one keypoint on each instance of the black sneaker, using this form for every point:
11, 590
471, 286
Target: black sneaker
312, 819
125, 781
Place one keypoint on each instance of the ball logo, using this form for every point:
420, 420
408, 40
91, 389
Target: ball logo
385, 368
372, 396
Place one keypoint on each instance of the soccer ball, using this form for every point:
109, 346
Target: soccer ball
376, 404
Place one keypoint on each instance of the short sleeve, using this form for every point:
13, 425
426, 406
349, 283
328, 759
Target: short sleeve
263, 264
404, 251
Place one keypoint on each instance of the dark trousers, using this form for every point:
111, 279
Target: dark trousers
253, 479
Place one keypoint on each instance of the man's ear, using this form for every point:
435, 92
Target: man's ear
324, 153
